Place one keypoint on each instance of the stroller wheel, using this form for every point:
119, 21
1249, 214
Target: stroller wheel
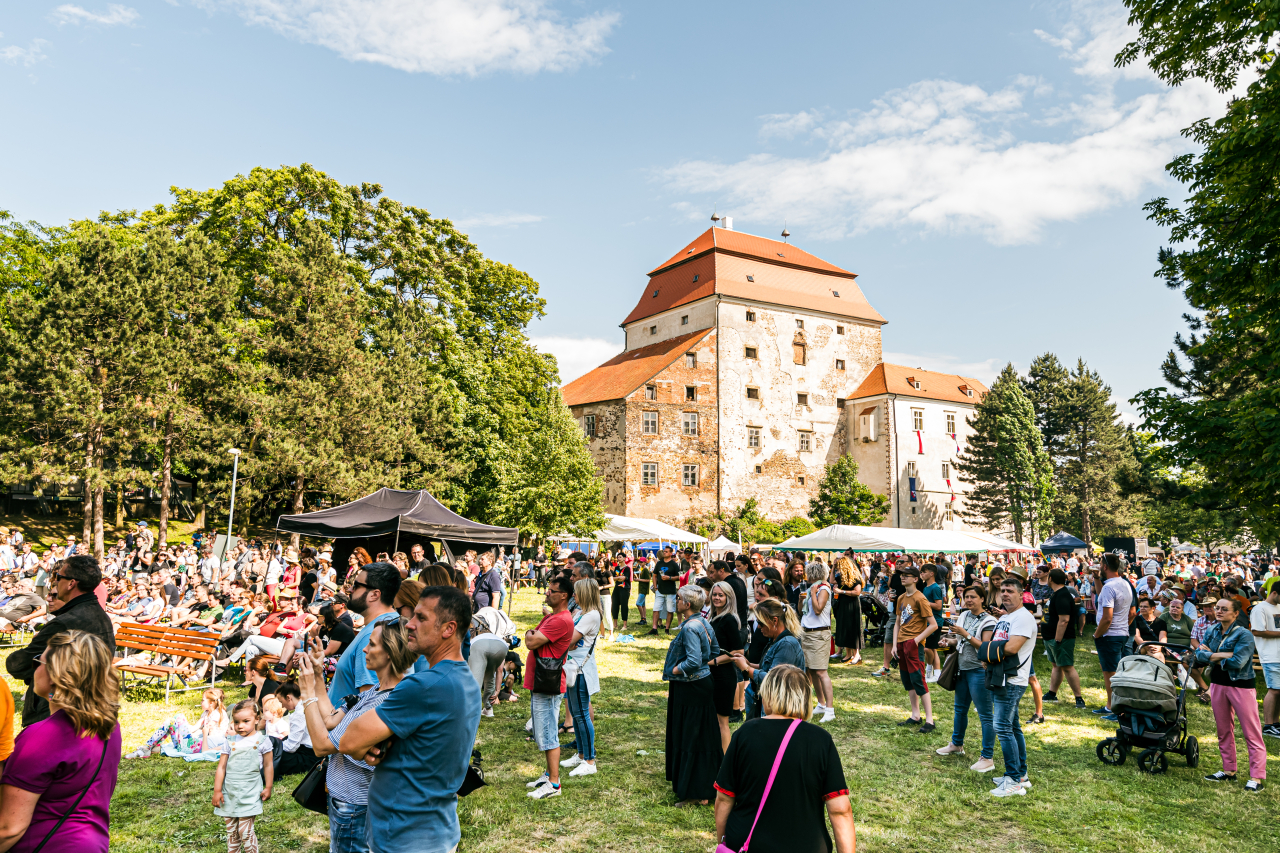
1192, 751
1112, 752
1153, 761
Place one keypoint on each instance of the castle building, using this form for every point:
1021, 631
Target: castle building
745, 360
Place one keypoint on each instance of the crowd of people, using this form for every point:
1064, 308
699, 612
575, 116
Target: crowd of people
377, 676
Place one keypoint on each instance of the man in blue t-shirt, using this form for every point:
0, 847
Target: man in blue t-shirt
372, 593
420, 737
937, 596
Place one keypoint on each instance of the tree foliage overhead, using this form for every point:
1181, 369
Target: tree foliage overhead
341, 339
844, 499
1006, 464
1220, 413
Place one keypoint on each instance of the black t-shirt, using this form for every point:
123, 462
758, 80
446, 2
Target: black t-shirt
728, 634
269, 687
346, 619
307, 586
622, 578
1061, 603
173, 593
740, 593
794, 818
342, 633
1148, 631
895, 584
971, 573
667, 585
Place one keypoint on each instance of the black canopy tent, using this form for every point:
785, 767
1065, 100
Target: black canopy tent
389, 517
1062, 541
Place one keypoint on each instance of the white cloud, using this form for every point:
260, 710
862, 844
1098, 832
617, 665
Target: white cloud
984, 371
576, 356
115, 14
949, 157
24, 56
498, 220
436, 36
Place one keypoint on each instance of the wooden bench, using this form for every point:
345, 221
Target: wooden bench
161, 641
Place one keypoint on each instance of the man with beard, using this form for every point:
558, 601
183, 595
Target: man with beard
373, 593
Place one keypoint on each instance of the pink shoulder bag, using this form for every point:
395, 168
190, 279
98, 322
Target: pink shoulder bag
768, 786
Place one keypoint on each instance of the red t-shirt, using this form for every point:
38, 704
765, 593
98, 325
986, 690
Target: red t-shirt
558, 629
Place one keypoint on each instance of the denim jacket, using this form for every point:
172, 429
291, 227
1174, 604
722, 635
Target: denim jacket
1238, 640
691, 650
784, 649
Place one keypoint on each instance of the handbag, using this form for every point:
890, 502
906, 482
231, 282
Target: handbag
950, 672
312, 793
768, 786
79, 797
571, 668
475, 775
547, 672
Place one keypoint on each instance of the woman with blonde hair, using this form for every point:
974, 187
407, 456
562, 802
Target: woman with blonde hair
586, 630
777, 621
848, 610
731, 638
815, 637
70, 758
779, 774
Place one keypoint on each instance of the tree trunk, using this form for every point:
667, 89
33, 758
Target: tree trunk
119, 508
166, 482
200, 516
86, 533
299, 486
99, 539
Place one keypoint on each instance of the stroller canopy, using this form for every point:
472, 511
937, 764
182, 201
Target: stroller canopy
1144, 684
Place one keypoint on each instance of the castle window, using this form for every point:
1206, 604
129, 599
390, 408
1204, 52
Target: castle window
589, 424
753, 393
653, 330
917, 419
691, 359
684, 320
839, 330
946, 470
951, 423
759, 469
800, 479
649, 423
689, 423
750, 352
799, 324
651, 392
753, 436
690, 475
806, 442
839, 402
802, 399
690, 393
839, 364
798, 353
751, 316
649, 474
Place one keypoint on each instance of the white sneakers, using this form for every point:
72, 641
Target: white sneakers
818, 708
950, 749
544, 791
572, 761
486, 712
1000, 780
828, 714
583, 769
1006, 788
931, 675
983, 765
539, 782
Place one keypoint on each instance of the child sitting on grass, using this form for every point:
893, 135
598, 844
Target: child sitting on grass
185, 739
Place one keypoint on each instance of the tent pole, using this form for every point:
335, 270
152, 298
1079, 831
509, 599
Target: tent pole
396, 547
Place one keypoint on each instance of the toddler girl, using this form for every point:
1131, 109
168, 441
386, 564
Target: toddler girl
212, 727
243, 780
277, 726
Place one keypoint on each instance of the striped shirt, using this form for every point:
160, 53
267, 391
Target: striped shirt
348, 779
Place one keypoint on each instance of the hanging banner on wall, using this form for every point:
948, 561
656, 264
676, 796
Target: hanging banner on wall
920, 438
911, 484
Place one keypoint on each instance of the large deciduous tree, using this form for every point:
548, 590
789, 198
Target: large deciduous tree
1220, 412
844, 499
1006, 464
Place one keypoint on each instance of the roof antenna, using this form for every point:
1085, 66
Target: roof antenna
785, 232
715, 217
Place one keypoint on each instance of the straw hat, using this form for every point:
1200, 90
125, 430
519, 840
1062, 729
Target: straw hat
291, 555
1016, 571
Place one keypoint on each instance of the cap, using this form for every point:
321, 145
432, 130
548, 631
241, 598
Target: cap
325, 556
142, 524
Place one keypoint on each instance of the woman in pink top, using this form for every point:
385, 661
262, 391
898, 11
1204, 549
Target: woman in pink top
58, 783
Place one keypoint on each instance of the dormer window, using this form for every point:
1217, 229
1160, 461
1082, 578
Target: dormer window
911, 380
836, 294
653, 330
966, 390
751, 278
655, 294
684, 321
695, 279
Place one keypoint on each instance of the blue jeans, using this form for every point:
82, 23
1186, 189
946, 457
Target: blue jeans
1005, 701
971, 686
347, 832
584, 733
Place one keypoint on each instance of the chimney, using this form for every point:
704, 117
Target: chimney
727, 223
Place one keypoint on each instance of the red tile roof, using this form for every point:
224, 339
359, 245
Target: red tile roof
945, 387
782, 275
625, 372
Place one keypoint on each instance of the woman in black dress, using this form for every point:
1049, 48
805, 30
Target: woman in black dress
730, 636
848, 610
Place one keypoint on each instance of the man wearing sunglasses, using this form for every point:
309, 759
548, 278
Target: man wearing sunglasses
72, 584
373, 592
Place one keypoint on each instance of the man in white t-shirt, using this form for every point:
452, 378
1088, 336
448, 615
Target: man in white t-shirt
1017, 630
1116, 613
1264, 620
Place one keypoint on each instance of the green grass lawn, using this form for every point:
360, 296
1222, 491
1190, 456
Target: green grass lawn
905, 798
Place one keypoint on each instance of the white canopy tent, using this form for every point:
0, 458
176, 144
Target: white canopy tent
721, 544
620, 528
844, 537
998, 543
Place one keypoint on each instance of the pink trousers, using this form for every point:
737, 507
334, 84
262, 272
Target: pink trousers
1242, 702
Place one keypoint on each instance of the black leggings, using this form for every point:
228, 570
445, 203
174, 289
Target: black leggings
621, 602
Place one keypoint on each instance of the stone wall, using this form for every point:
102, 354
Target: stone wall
608, 449
788, 477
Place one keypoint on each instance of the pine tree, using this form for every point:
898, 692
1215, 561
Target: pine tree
1096, 451
1045, 385
844, 499
1005, 462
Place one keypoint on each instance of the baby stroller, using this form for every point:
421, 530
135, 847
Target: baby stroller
874, 615
1151, 706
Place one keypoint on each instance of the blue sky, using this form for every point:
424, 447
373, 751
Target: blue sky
981, 166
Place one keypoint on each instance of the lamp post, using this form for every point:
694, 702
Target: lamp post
231, 514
